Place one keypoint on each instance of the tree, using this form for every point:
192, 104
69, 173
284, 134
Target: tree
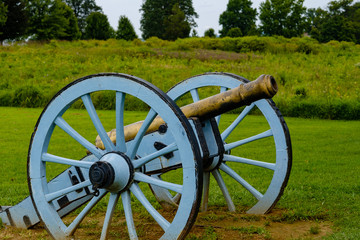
52, 20
16, 20
340, 22
194, 33
82, 9
63, 21
282, 17
38, 10
156, 12
125, 29
354, 17
210, 33
238, 14
314, 21
98, 27
314, 18
3, 14
234, 32
175, 25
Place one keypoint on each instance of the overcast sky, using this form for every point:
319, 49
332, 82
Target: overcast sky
208, 10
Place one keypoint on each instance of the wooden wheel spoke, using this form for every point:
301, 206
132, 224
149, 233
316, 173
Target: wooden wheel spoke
126, 200
142, 161
265, 134
217, 118
119, 109
51, 196
240, 180
206, 187
156, 181
224, 190
231, 158
195, 94
46, 157
114, 197
176, 198
97, 123
135, 189
236, 122
145, 125
75, 223
60, 122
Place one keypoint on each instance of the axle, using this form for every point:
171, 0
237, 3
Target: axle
263, 87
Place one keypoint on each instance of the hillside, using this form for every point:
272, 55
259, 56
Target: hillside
315, 80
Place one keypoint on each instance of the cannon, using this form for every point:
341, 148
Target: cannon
174, 151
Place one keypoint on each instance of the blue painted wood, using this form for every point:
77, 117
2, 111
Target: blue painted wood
119, 111
281, 166
179, 133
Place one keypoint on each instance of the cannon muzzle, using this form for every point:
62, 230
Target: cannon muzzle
263, 87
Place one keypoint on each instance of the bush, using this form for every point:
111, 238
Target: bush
28, 96
234, 32
156, 42
212, 43
6, 99
210, 33
134, 104
275, 44
229, 44
307, 46
104, 100
340, 45
251, 44
137, 42
310, 108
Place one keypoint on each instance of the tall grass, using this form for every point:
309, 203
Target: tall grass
315, 80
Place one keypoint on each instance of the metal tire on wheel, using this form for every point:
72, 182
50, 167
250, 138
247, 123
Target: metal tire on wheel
233, 162
117, 170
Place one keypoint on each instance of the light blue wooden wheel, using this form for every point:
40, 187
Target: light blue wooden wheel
128, 179
230, 172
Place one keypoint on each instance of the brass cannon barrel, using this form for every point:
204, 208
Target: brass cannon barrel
263, 87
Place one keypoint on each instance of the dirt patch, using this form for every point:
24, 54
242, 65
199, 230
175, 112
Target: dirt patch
213, 224
216, 224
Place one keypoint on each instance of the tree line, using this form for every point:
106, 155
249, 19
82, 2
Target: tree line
58, 19
290, 18
173, 19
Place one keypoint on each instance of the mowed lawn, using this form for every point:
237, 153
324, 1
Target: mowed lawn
324, 183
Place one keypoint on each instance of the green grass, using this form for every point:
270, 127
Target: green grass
323, 185
314, 230
322, 83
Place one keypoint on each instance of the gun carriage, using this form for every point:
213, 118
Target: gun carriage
174, 151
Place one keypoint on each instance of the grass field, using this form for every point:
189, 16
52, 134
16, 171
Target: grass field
323, 187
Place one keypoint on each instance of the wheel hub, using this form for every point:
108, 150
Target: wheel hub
114, 172
213, 163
